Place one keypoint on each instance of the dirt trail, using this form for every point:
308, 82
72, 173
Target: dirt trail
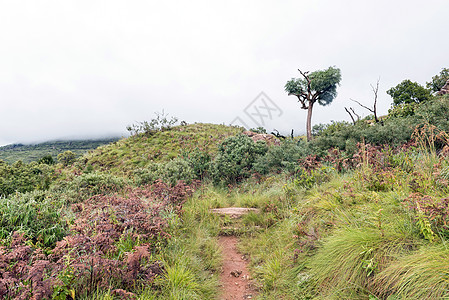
235, 280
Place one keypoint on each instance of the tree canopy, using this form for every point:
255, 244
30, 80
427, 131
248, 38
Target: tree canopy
438, 80
409, 92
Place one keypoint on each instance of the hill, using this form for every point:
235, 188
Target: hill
140, 150
33, 152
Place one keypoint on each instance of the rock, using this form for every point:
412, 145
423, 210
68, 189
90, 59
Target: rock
236, 273
445, 89
234, 212
268, 138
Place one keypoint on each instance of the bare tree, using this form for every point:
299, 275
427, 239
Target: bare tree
352, 114
374, 109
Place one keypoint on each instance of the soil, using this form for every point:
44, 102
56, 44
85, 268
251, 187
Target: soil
235, 279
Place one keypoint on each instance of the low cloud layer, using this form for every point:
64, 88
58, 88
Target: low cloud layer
90, 68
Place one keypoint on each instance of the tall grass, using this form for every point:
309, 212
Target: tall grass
348, 260
423, 274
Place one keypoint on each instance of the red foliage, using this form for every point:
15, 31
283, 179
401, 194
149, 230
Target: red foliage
89, 257
436, 210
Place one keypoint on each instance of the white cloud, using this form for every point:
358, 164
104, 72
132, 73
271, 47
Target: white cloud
90, 68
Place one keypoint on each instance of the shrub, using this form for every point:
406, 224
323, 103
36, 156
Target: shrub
90, 184
280, 158
66, 158
147, 175
235, 158
47, 159
170, 172
160, 123
22, 178
37, 214
177, 169
199, 161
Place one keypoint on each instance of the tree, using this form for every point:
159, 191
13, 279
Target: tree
409, 92
319, 86
438, 80
374, 109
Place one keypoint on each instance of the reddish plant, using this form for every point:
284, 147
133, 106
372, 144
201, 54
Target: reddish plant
91, 256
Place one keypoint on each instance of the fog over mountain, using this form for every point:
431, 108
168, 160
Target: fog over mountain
89, 68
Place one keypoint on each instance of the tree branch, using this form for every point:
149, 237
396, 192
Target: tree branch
352, 117
375, 91
370, 109
358, 117
352, 114
302, 99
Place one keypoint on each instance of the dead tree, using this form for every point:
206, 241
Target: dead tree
374, 109
352, 114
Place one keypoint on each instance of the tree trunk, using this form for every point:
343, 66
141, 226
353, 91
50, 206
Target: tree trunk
309, 122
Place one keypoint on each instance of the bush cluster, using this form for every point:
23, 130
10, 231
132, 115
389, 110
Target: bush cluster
235, 159
170, 172
22, 178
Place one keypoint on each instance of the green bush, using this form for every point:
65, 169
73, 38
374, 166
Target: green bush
147, 175
199, 161
22, 178
177, 169
170, 172
308, 179
235, 158
95, 183
280, 158
395, 129
66, 158
38, 214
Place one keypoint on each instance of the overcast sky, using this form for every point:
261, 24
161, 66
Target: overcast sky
90, 68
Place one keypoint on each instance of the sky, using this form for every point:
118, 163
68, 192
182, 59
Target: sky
88, 69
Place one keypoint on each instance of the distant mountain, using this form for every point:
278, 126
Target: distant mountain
33, 152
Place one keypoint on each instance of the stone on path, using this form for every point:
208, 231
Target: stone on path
234, 212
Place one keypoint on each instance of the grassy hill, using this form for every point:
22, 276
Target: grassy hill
140, 150
33, 152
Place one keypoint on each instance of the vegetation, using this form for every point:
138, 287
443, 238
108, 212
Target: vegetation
359, 212
35, 152
409, 92
438, 80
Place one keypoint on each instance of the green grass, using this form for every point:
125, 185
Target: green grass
139, 151
423, 274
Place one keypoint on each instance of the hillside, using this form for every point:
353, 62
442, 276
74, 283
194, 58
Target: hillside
140, 150
33, 152
360, 212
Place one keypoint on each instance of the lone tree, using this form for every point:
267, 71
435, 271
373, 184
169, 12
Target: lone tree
319, 86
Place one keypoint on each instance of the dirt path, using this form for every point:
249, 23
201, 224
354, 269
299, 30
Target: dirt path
235, 280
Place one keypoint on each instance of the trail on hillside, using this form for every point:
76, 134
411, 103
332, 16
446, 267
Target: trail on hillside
235, 279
